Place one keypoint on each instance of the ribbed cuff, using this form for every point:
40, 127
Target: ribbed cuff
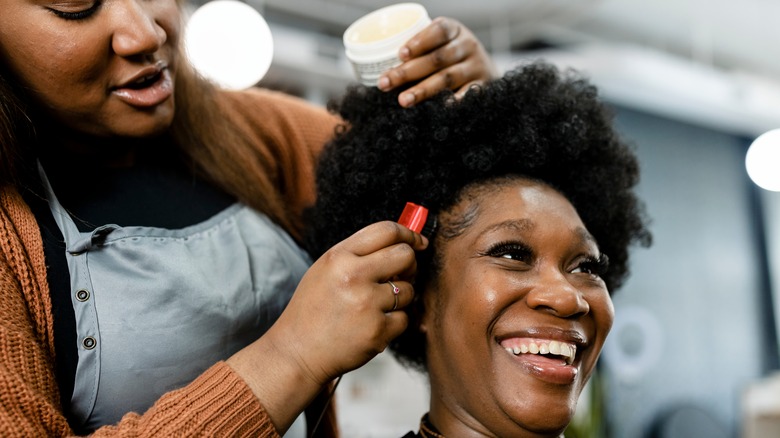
218, 403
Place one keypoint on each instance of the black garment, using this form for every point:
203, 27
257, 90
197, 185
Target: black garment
158, 191
427, 430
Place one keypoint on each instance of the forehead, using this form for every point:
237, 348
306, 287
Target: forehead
515, 205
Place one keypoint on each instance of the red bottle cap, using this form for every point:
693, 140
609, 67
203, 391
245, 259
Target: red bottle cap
414, 217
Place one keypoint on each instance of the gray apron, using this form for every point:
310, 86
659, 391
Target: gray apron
156, 307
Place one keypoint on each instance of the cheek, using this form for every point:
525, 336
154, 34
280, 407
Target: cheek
53, 62
469, 301
603, 313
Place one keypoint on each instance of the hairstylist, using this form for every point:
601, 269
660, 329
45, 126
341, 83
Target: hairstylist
149, 226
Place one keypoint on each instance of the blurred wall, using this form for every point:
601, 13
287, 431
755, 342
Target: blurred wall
691, 330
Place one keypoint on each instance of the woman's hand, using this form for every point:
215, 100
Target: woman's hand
447, 55
343, 313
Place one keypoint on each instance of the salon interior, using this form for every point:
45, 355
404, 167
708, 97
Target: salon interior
695, 86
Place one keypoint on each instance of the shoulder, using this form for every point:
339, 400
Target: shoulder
279, 119
270, 103
279, 115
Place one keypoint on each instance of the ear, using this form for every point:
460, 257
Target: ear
422, 327
425, 312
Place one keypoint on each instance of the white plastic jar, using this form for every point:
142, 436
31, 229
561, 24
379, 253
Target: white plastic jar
372, 42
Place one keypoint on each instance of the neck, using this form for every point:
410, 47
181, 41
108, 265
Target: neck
101, 152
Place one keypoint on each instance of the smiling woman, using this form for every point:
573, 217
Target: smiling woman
532, 191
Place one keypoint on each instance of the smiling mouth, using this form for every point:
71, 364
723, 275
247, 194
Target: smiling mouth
144, 82
547, 348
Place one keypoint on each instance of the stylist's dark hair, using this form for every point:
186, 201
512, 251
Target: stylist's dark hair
535, 122
15, 129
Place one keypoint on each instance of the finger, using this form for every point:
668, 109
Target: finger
399, 296
451, 78
396, 261
440, 34
441, 58
465, 89
441, 31
436, 62
395, 324
381, 235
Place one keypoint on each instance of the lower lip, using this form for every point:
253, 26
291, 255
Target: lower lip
150, 96
546, 369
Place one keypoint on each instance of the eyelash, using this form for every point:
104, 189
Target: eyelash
597, 266
504, 249
80, 15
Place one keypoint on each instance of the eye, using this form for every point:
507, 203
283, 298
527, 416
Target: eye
77, 14
511, 251
597, 266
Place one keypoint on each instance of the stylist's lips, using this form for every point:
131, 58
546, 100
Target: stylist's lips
149, 87
549, 360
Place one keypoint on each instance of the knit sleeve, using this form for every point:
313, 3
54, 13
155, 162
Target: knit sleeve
218, 403
29, 399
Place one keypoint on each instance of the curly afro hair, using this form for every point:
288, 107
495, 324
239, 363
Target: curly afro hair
535, 122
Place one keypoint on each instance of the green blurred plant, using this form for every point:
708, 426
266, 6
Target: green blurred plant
589, 421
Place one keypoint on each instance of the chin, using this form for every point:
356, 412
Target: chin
140, 127
549, 421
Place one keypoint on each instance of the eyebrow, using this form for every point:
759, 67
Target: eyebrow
512, 225
585, 235
523, 225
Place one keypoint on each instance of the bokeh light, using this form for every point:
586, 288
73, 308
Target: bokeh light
230, 43
763, 160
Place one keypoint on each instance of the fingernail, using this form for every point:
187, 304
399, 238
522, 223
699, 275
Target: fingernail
384, 83
406, 99
404, 53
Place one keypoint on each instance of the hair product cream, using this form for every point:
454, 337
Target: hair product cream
372, 42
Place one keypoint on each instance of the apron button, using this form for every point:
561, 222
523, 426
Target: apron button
82, 295
89, 343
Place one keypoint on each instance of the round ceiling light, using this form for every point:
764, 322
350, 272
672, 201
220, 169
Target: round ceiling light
230, 43
763, 160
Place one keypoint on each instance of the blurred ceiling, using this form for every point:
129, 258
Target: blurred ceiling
733, 35
712, 62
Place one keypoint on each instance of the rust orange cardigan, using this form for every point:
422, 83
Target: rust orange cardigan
217, 403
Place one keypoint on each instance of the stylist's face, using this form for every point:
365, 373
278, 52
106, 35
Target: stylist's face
518, 315
101, 67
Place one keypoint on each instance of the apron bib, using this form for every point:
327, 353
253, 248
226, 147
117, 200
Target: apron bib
156, 307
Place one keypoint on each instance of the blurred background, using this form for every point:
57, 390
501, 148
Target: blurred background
694, 349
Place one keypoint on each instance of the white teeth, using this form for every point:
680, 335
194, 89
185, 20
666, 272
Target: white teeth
569, 352
145, 78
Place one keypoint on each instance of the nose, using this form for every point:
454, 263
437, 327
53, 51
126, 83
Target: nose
553, 293
137, 31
